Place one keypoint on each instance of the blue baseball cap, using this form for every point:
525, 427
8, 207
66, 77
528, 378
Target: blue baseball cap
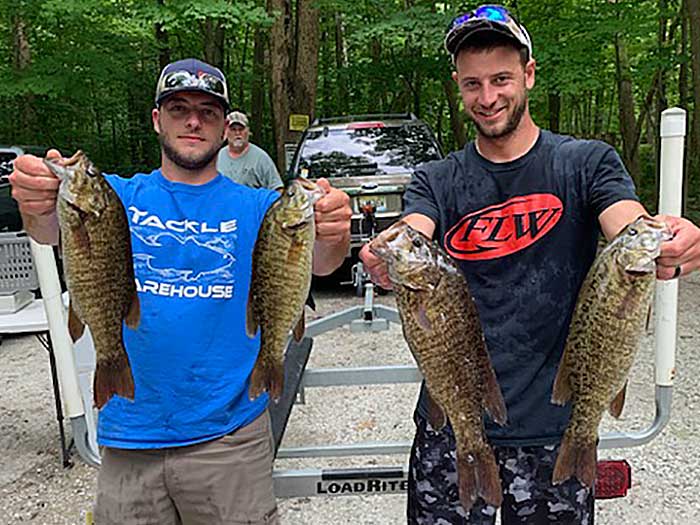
191, 74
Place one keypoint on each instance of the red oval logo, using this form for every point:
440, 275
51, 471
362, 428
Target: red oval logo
502, 229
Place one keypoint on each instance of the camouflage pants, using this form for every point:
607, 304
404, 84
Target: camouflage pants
528, 495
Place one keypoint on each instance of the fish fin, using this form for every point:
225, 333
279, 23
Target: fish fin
310, 301
251, 321
299, 328
76, 327
113, 376
576, 459
493, 401
477, 475
266, 377
82, 237
627, 304
422, 318
561, 392
133, 314
649, 315
436, 415
617, 404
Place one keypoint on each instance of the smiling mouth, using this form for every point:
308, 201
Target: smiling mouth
490, 114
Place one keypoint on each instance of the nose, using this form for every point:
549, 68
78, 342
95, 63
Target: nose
193, 120
488, 95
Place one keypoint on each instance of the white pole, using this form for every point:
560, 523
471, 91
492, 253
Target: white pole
673, 124
45, 264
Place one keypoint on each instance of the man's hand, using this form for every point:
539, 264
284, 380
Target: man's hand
376, 267
35, 189
332, 217
680, 255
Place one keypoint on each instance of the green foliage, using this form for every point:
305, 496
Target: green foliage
94, 64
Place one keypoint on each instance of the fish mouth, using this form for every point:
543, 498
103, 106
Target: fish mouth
64, 169
380, 244
640, 268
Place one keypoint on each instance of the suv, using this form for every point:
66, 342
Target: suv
10, 219
371, 158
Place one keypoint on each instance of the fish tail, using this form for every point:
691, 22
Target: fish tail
578, 459
477, 474
113, 376
266, 376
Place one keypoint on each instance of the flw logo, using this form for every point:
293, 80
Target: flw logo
505, 228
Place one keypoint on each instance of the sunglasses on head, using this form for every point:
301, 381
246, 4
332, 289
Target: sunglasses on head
493, 14
185, 79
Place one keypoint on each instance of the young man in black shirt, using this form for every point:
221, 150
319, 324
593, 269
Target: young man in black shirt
520, 209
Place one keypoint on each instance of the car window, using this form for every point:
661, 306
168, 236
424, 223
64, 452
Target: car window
10, 219
366, 151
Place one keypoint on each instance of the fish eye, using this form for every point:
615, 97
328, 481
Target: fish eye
417, 243
632, 231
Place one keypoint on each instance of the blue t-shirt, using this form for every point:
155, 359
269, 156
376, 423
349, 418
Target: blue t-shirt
524, 233
190, 356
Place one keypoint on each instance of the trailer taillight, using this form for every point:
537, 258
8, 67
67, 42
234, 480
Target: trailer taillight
613, 479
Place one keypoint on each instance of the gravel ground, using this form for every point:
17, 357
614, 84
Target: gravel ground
35, 488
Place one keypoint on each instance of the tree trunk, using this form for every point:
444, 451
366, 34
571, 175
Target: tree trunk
162, 41
241, 68
694, 23
598, 112
279, 68
257, 97
456, 116
341, 64
214, 42
683, 69
660, 102
306, 71
630, 153
21, 61
293, 68
554, 111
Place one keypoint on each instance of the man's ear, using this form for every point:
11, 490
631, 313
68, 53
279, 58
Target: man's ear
155, 116
530, 74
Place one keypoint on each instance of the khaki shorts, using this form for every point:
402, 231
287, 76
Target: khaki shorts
225, 481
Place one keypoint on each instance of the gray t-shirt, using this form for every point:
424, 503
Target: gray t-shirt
254, 168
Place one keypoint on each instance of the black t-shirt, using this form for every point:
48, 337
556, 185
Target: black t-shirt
525, 234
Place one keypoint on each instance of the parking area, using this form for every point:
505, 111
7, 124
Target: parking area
34, 488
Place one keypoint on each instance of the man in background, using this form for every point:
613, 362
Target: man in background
243, 162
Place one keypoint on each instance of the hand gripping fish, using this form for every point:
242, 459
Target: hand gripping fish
441, 325
607, 325
99, 270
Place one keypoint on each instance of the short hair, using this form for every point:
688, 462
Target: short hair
490, 40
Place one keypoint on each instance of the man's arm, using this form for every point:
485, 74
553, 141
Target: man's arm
616, 216
332, 216
376, 267
35, 189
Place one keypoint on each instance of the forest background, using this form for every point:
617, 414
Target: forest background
82, 73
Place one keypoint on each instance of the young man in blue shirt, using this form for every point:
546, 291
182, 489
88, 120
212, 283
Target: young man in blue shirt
192, 447
520, 210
